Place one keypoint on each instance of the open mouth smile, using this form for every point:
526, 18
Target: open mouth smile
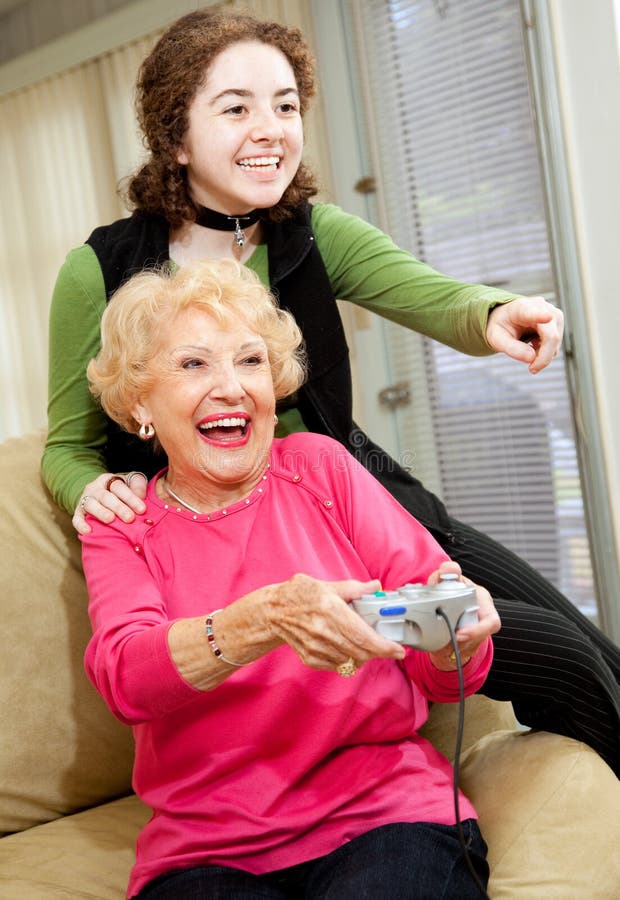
259, 163
229, 430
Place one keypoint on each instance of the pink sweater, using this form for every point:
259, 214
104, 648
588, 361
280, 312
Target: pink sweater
280, 763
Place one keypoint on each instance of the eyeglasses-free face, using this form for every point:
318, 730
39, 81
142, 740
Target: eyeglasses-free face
212, 407
245, 137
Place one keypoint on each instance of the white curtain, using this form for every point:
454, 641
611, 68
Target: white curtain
65, 143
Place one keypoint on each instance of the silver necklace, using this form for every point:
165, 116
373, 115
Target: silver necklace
178, 499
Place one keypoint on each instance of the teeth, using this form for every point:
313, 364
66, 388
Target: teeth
226, 423
259, 161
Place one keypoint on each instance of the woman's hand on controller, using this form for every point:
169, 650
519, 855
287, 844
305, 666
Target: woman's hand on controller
470, 637
310, 616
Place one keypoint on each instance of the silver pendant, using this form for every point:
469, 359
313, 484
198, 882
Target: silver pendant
239, 234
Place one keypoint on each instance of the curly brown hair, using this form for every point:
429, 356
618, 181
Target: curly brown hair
167, 83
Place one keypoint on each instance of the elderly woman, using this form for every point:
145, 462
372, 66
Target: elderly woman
269, 774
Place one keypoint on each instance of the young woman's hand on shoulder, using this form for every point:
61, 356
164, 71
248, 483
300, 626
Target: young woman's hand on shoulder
108, 496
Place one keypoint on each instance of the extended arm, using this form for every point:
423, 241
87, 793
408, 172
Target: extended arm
367, 268
305, 613
147, 664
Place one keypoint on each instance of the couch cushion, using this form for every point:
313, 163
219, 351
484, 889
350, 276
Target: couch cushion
60, 748
482, 716
549, 809
85, 855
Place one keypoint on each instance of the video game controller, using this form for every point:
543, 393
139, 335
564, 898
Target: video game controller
409, 615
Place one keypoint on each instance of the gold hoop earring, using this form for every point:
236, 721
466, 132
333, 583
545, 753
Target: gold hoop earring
146, 432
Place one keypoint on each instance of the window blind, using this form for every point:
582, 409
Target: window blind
449, 121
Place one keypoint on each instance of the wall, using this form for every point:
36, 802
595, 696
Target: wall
587, 50
30, 23
48, 47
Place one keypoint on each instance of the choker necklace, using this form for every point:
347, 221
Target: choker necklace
178, 499
209, 218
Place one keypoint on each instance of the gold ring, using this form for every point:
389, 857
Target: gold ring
348, 668
452, 656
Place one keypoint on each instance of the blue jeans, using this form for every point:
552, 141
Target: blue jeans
418, 861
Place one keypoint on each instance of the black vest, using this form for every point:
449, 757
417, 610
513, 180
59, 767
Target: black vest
299, 280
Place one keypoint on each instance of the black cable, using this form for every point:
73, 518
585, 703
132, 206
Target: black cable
457, 755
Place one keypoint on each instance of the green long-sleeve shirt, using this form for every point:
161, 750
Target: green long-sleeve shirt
364, 266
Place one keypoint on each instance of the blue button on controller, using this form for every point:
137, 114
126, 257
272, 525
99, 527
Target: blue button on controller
392, 610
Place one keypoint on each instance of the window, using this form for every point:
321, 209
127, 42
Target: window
451, 138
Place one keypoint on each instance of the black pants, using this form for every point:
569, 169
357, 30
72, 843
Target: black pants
559, 670
404, 861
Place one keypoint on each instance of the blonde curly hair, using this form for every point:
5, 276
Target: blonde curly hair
138, 314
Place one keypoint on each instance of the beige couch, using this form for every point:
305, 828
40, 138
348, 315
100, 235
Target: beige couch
549, 807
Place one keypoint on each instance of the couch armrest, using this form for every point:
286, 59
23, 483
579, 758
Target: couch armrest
549, 810
60, 747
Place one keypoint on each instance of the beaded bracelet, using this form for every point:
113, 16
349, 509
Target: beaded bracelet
212, 642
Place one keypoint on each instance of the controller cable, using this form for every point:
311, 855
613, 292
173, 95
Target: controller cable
457, 755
